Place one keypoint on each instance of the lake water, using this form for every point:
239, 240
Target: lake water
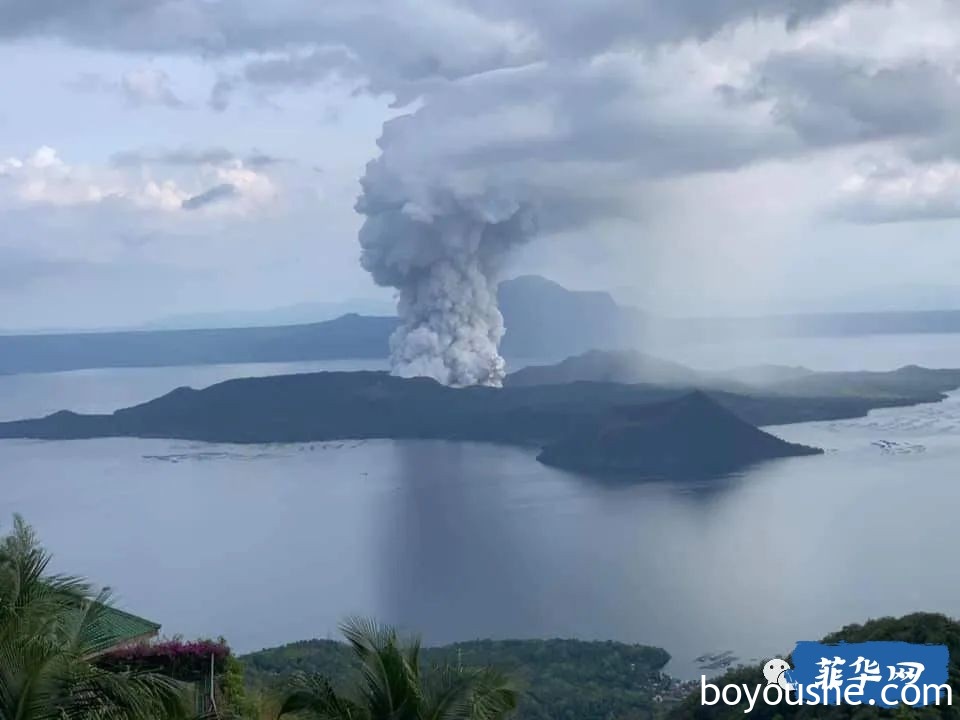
270, 544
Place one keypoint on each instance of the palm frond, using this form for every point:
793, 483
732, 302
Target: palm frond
392, 686
315, 695
48, 632
122, 695
468, 694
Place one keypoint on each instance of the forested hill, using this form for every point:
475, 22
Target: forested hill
561, 678
920, 628
576, 680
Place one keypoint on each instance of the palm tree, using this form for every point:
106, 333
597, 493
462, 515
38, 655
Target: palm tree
50, 634
392, 686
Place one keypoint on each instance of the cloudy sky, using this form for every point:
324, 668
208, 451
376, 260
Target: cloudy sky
161, 157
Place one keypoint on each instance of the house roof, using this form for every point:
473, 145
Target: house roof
118, 628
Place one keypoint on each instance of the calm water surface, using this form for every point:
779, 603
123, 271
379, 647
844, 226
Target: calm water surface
269, 544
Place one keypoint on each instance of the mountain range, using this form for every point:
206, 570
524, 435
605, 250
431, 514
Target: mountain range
910, 383
304, 313
543, 321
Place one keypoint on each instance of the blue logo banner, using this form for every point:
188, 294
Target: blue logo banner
883, 674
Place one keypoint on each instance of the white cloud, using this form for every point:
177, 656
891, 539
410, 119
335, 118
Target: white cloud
900, 191
43, 178
142, 87
149, 86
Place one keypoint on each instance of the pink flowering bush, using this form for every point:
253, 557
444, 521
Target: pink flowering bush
176, 658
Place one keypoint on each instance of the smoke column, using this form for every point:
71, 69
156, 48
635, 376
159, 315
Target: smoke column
443, 251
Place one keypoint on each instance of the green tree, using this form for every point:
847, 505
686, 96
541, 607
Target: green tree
392, 685
50, 635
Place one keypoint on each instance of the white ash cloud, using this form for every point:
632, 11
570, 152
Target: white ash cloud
443, 251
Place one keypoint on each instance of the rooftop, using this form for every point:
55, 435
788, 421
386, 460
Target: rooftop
115, 628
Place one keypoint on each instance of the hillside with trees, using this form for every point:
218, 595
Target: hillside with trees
558, 679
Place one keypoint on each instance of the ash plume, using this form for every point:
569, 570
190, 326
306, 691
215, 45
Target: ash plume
559, 122
443, 252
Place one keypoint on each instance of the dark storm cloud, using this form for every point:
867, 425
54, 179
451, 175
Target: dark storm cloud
491, 35
217, 193
412, 49
586, 27
70, 19
519, 93
403, 39
384, 35
829, 99
245, 25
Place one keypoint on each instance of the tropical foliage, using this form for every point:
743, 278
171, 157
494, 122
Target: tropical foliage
561, 679
922, 628
188, 661
50, 635
392, 685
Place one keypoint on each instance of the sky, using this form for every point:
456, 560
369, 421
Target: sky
696, 157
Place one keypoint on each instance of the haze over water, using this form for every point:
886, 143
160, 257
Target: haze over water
270, 544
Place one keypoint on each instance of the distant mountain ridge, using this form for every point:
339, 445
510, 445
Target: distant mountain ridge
350, 336
632, 367
305, 313
543, 319
810, 325
623, 366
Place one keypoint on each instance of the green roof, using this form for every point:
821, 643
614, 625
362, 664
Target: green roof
118, 628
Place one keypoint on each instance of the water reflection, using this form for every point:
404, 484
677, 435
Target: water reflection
462, 552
